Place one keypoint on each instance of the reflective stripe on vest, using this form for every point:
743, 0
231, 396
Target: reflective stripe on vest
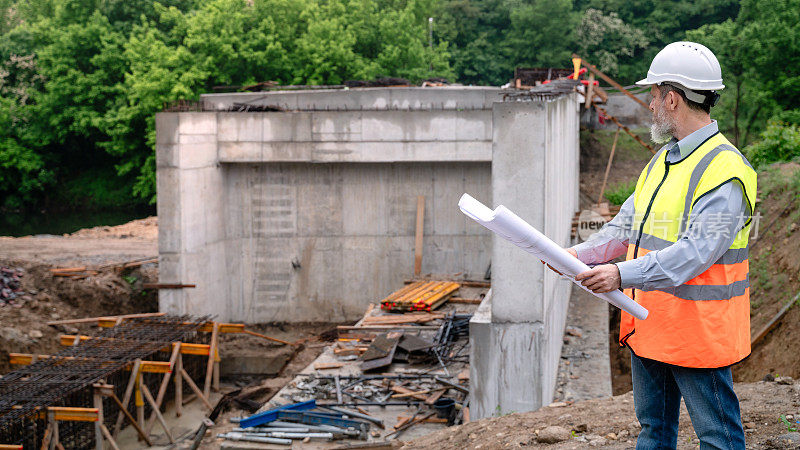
704, 322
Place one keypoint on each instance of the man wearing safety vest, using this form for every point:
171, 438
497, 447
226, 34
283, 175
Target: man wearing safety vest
685, 231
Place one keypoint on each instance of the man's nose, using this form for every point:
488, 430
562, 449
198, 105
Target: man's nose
652, 104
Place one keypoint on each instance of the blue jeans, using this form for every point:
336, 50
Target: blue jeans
709, 397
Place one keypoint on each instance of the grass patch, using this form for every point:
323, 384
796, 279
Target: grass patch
618, 193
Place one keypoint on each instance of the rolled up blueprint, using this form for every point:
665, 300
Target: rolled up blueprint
520, 233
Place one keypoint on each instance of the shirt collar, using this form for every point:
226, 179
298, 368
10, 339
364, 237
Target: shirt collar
688, 144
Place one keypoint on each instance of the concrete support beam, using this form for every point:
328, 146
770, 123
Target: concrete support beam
516, 337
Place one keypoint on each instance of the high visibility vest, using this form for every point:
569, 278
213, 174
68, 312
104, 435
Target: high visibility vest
705, 322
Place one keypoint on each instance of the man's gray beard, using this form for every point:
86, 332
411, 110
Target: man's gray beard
662, 128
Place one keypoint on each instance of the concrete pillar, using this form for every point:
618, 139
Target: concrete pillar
516, 335
189, 183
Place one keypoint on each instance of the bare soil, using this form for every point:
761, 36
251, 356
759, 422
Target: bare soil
23, 327
611, 423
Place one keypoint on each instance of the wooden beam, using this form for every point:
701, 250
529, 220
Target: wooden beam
626, 129
468, 301
156, 410
70, 414
608, 80
263, 336
210, 363
127, 396
130, 418
178, 379
95, 319
162, 389
196, 389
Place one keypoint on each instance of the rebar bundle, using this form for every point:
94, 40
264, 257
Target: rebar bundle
69, 374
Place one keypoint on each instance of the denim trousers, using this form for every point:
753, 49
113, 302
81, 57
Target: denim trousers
708, 393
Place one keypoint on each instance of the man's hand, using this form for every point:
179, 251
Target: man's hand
570, 251
600, 279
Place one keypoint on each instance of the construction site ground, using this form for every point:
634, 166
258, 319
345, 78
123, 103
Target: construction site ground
775, 265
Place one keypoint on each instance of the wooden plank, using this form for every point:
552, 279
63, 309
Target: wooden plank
418, 235
346, 328
428, 420
468, 301
194, 388
71, 414
162, 389
589, 91
263, 336
774, 321
412, 394
127, 397
205, 328
156, 410
130, 418
178, 379
625, 129
436, 395
402, 390
95, 319
210, 363
330, 365
402, 318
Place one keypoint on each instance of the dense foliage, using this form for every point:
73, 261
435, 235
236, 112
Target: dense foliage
80, 80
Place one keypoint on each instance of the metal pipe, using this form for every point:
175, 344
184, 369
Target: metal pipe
302, 435
271, 430
354, 414
242, 437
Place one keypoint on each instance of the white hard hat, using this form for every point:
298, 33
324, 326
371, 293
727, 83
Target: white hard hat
688, 64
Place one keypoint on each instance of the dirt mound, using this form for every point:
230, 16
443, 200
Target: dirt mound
23, 326
775, 275
146, 228
611, 423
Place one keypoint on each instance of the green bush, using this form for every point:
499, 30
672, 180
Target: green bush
620, 192
779, 142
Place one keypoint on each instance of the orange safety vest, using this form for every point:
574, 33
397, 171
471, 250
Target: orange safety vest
705, 322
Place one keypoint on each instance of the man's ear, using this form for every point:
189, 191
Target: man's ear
672, 100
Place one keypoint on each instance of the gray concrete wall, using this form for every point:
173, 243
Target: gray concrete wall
402, 98
310, 215
516, 337
625, 109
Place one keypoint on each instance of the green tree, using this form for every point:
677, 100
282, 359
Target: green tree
606, 40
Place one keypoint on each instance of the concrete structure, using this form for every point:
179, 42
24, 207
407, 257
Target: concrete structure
516, 335
308, 214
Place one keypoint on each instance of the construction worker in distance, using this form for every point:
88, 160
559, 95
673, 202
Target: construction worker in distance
685, 232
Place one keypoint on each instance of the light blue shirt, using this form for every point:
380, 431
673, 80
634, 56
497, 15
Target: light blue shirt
712, 228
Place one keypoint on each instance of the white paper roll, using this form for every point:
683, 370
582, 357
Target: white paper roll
512, 228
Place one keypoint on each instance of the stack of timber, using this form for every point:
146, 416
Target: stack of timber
420, 296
